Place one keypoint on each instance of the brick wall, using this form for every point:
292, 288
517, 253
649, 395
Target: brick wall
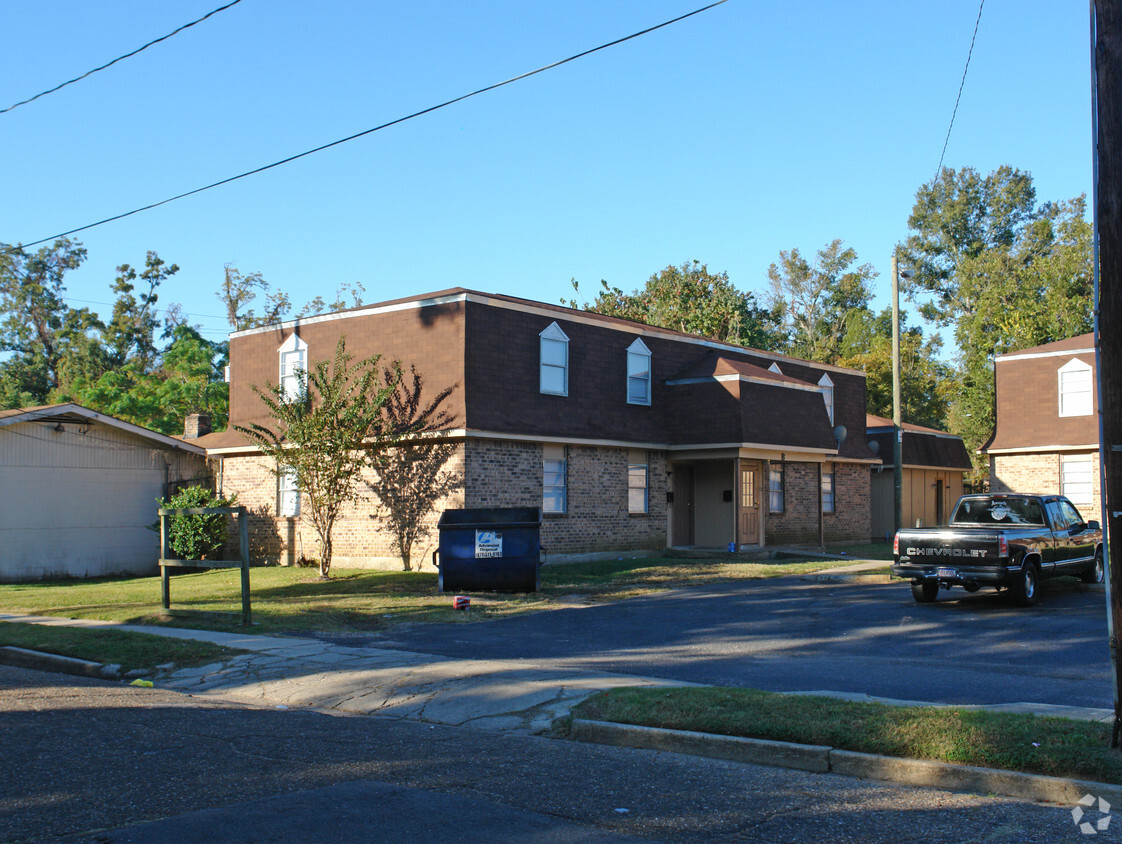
509, 474
1040, 473
851, 520
360, 538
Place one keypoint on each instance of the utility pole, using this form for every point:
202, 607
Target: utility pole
897, 418
1106, 104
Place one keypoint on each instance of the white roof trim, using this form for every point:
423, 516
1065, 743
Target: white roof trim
1041, 449
572, 316
102, 419
1064, 353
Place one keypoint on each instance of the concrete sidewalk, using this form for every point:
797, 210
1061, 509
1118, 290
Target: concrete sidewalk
293, 672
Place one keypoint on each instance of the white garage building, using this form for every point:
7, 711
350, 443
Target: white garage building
78, 490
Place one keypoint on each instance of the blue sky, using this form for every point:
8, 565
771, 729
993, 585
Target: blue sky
749, 129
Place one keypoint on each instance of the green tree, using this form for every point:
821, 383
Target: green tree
37, 327
410, 480
130, 336
238, 291
691, 299
323, 434
1003, 271
925, 380
816, 302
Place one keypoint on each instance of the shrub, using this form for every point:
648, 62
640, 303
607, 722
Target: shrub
197, 536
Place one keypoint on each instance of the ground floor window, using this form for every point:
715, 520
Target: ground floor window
827, 487
775, 488
288, 494
638, 481
1077, 481
554, 479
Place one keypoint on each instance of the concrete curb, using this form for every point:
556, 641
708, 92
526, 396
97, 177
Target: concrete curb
820, 759
40, 661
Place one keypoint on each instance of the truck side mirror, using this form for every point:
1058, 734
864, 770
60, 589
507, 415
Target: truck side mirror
1094, 525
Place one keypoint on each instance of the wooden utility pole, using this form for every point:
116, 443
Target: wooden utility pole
897, 412
1106, 104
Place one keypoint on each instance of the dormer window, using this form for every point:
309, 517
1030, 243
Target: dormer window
828, 395
554, 361
293, 360
775, 368
638, 373
1076, 389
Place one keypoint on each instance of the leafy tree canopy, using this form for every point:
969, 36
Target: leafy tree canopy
691, 299
815, 303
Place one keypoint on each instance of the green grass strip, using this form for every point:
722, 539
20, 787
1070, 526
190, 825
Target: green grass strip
1058, 747
129, 650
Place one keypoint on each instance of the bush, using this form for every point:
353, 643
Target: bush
196, 537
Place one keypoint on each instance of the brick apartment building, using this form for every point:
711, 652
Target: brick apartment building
1046, 423
629, 437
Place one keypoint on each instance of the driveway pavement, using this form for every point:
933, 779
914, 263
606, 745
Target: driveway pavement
807, 636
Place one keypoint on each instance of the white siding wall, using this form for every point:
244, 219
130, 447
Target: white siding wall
78, 505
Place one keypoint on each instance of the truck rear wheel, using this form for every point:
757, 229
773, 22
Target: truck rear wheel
1023, 588
925, 591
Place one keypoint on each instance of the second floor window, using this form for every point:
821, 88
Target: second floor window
293, 361
1076, 389
554, 361
828, 395
638, 373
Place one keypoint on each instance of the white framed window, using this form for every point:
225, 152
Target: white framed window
638, 481
775, 488
827, 395
554, 361
1076, 388
828, 502
1077, 481
293, 361
638, 373
288, 494
555, 487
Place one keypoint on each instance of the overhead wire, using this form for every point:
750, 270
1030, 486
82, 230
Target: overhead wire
119, 58
961, 85
378, 128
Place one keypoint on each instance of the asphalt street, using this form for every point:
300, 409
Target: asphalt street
96, 761
794, 635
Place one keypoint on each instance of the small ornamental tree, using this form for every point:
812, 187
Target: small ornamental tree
320, 432
411, 479
195, 537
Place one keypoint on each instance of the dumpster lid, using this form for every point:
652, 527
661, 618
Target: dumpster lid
491, 517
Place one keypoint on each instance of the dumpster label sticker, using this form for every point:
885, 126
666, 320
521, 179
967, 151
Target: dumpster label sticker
488, 543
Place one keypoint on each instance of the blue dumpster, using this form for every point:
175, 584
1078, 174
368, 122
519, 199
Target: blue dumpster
489, 550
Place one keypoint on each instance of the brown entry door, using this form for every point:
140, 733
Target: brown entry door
683, 505
749, 505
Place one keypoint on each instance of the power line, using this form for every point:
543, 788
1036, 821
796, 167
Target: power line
961, 84
119, 58
357, 135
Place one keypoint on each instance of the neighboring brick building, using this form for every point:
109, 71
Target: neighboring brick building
933, 462
629, 437
1046, 430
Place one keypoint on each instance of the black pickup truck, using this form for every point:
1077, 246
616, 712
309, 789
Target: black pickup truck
1005, 541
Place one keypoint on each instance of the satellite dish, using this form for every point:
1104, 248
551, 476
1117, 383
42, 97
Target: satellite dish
840, 433
874, 446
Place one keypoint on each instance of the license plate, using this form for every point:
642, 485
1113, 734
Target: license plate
948, 573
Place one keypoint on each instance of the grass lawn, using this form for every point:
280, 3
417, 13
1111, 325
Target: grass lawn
295, 600
126, 649
1044, 745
